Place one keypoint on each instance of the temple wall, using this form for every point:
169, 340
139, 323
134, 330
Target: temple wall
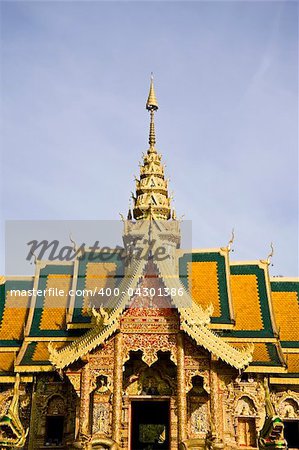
222, 409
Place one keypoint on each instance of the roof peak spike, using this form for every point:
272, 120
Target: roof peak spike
151, 200
152, 106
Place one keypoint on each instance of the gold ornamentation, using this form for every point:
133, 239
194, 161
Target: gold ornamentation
245, 407
100, 382
289, 409
216, 431
270, 256
101, 419
75, 379
99, 333
85, 401
271, 436
149, 345
117, 389
287, 403
182, 401
10, 420
205, 375
199, 419
158, 379
99, 317
231, 241
152, 200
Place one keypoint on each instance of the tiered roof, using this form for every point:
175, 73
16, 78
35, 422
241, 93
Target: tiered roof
248, 307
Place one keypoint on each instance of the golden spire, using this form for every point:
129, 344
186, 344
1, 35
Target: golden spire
152, 103
151, 200
152, 106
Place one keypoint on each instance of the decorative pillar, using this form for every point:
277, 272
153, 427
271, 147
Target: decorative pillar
181, 390
85, 401
32, 426
117, 389
173, 424
216, 405
125, 422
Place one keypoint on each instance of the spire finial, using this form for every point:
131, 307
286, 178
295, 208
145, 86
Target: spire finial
151, 201
152, 106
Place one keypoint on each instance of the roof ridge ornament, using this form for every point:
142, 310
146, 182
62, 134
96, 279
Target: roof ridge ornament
228, 248
231, 241
270, 256
268, 260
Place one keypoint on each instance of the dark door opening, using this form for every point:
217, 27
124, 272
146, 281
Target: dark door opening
291, 433
54, 430
150, 425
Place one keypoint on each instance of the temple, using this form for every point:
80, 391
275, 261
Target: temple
179, 349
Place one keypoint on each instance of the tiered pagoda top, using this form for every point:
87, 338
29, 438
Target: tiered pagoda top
152, 200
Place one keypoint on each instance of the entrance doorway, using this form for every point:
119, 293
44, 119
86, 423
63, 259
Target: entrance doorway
54, 430
150, 425
291, 433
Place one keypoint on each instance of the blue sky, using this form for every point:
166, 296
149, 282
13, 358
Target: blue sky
75, 78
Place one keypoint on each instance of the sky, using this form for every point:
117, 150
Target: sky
74, 82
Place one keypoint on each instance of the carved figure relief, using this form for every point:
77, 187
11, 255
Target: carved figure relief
5, 398
245, 407
101, 384
140, 379
101, 419
55, 406
199, 418
289, 409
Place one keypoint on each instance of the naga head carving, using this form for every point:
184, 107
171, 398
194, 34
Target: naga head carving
12, 432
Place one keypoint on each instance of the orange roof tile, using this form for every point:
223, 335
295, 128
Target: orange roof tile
54, 308
203, 283
14, 316
7, 361
260, 352
98, 276
286, 310
41, 352
245, 298
292, 360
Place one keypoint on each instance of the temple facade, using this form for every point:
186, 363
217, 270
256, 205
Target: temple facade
156, 348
